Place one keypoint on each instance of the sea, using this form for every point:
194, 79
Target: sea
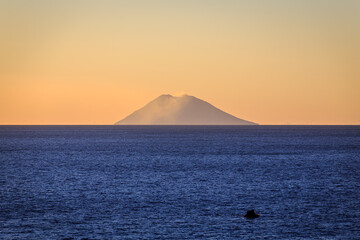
179, 182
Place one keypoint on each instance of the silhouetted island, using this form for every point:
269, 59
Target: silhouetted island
184, 110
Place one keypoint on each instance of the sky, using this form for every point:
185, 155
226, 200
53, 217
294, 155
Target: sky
95, 62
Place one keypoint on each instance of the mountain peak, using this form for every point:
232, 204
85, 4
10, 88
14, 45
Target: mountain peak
165, 96
183, 110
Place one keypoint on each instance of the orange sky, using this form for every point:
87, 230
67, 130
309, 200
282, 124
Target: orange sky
95, 62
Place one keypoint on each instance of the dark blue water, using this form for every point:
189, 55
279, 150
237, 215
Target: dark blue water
179, 182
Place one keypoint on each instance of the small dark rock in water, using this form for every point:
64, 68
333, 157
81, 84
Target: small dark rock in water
251, 214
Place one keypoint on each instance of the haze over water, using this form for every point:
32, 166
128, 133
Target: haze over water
179, 182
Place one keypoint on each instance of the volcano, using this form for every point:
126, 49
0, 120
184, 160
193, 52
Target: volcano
184, 110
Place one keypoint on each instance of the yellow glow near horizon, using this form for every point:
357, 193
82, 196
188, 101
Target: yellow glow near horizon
95, 62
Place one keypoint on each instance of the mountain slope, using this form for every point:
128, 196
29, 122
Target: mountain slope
184, 110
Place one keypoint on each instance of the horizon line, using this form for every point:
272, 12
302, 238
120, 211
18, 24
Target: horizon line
178, 125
